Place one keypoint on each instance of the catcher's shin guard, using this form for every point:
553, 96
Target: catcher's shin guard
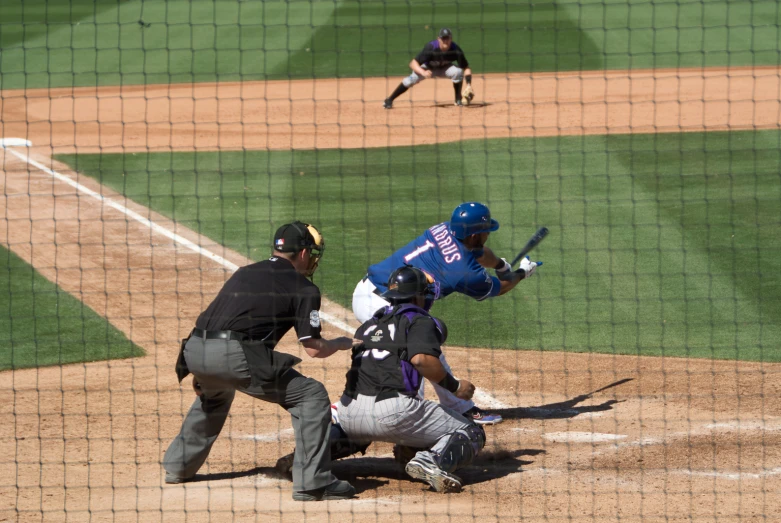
461, 448
341, 446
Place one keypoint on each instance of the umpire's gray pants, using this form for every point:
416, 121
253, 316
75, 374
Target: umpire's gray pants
403, 420
221, 368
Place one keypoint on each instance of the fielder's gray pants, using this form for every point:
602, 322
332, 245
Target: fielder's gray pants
455, 73
221, 368
403, 420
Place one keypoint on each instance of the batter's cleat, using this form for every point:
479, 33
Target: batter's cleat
172, 479
482, 417
335, 491
388, 103
458, 103
426, 469
285, 465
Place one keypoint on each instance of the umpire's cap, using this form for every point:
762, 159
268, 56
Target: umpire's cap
471, 218
406, 282
297, 236
445, 33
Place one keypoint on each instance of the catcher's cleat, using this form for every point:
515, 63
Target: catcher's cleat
482, 417
388, 103
426, 469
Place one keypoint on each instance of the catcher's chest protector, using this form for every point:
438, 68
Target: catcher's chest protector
380, 366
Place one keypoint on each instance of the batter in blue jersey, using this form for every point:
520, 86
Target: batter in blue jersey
455, 259
450, 264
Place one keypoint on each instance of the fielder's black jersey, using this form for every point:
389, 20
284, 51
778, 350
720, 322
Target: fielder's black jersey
381, 364
433, 57
264, 301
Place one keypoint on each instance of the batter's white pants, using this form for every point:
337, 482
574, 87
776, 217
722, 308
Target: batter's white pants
455, 73
365, 304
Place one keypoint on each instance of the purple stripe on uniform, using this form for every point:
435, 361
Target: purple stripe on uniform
435, 43
411, 378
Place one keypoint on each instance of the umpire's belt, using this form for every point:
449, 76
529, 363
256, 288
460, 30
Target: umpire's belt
220, 335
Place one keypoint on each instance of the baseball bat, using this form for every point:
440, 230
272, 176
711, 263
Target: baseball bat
535, 240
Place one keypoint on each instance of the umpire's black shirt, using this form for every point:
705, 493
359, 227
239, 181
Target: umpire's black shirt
264, 300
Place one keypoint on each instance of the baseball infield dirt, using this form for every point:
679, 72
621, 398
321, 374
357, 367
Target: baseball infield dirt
669, 439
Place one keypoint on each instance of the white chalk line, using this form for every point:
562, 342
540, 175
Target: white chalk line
482, 397
181, 240
280, 435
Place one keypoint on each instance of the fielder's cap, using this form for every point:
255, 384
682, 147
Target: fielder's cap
296, 236
445, 33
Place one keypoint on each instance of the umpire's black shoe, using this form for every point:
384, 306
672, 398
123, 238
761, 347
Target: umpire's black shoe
388, 103
335, 491
172, 479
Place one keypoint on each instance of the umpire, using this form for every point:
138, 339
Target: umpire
232, 348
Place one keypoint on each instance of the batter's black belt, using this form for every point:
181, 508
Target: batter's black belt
220, 335
376, 290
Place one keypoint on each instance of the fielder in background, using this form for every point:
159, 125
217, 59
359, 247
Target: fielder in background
437, 59
232, 348
401, 346
454, 257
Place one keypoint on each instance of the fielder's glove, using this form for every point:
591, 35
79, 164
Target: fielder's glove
467, 94
528, 266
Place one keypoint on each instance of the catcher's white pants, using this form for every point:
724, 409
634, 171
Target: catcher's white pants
403, 420
455, 73
365, 304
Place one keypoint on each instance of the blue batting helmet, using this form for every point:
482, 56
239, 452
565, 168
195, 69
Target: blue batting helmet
471, 218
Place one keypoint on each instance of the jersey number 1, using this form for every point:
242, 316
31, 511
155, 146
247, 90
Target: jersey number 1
417, 252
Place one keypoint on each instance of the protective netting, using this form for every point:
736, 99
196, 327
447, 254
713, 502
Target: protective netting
150, 149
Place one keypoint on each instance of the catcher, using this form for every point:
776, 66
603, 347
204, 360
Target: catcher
400, 346
436, 59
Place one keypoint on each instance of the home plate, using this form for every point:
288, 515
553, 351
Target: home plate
15, 142
582, 437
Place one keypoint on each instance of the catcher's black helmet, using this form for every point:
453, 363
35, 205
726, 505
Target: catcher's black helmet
405, 283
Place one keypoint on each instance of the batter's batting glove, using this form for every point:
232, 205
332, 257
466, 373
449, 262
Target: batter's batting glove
528, 266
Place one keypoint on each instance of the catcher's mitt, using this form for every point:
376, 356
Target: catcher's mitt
467, 95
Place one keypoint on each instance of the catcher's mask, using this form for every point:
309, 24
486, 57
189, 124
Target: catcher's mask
297, 236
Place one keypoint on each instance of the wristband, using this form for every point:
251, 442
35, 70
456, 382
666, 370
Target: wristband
469, 79
503, 266
449, 383
511, 276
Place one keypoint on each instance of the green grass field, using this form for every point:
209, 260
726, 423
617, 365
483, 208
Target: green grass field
660, 244
43, 325
87, 42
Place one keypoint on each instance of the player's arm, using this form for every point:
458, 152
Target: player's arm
423, 57
322, 348
508, 278
307, 304
431, 369
489, 260
424, 347
415, 66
